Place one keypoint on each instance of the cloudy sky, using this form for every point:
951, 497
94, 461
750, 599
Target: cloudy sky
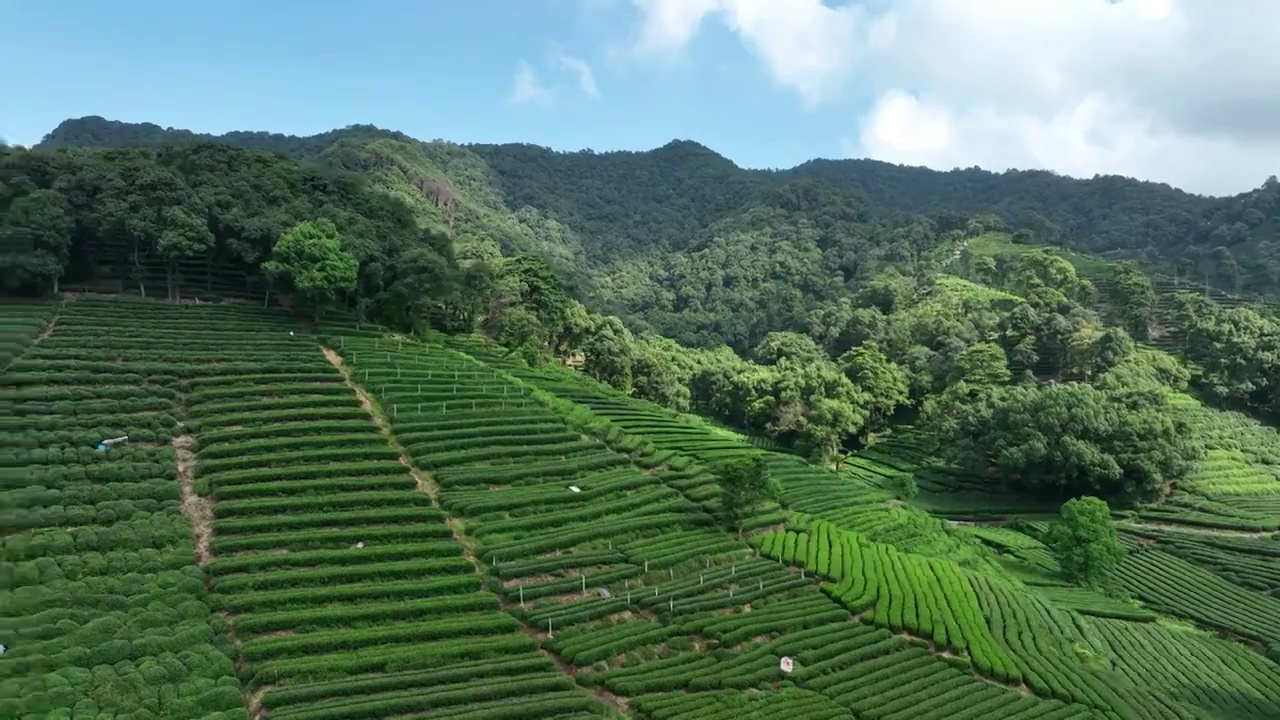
1179, 91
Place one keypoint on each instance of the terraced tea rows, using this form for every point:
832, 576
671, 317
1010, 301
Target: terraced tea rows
348, 594
1038, 635
344, 592
20, 322
457, 542
553, 511
628, 579
102, 603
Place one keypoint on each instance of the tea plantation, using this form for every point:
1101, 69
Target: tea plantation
341, 523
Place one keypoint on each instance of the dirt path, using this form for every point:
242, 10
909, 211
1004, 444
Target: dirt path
53, 319
199, 512
428, 485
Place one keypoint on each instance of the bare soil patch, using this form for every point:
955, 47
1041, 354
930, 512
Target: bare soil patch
199, 511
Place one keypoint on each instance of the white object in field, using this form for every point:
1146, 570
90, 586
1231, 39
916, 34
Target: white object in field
290, 333
360, 544
112, 442
3, 647
786, 664
574, 488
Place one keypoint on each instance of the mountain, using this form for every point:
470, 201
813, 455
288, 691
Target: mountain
397, 448
624, 205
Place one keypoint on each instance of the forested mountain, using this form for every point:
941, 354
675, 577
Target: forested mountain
629, 204
1031, 470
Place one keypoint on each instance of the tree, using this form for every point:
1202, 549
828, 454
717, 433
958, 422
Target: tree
608, 353
791, 345
1070, 439
981, 364
35, 239
1084, 541
1133, 297
183, 236
425, 289
744, 484
880, 379
310, 258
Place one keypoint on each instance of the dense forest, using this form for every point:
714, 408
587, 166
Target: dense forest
819, 306
623, 203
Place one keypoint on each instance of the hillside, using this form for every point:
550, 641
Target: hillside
621, 203
360, 480
386, 527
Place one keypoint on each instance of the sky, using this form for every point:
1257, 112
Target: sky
1185, 92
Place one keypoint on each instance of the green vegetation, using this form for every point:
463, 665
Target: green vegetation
744, 485
575, 435
310, 260
1084, 541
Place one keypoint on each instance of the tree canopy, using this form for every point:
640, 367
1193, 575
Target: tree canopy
1084, 541
310, 260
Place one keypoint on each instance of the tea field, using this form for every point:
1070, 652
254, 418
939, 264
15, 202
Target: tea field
349, 524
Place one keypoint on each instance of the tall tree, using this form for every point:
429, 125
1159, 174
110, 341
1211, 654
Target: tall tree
1084, 541
309, 257
744, 484
183, 235
1133, 297
35, 239
882, 382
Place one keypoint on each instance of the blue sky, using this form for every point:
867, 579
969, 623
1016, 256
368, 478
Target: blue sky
429, 68
1177, 91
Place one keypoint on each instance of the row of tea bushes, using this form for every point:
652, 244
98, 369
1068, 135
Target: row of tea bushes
621, 573
103, 607
347, 592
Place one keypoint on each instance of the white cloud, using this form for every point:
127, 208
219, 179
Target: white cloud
1180, 91
803, 44
528, 88
579, 67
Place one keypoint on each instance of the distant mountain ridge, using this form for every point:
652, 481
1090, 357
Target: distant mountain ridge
628, 201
